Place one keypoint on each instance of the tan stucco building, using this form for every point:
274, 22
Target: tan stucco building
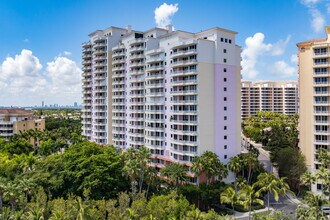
14, 120
314, 99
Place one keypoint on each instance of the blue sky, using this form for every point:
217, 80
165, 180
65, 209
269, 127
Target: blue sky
41, 39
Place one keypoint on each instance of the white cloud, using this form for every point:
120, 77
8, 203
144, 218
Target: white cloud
21, 74
65, 76
255, 48
309, 3
280, 46
26, 40
67, 53
23, 82
282, 69
318, 20
164, 13
294, 59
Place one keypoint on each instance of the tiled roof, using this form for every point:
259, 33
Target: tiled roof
14, 111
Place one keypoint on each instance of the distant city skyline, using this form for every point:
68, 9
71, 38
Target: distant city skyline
40, 55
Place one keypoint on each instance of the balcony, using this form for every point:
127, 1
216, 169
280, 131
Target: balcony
118, 61
185, 82
118, 68
117, 55
184, 122
155, 76
154, 52
155, 60
136, 64
186, 142
184, 72
100, 64
155, 85
184, 62
154, 68
135, 72
136, 49
181, 92
136, 41
136, 57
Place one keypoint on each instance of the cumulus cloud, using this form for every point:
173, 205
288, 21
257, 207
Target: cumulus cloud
294, 59
164, 13
255, 47
318, 20
23, 81
282, 69
22, 73
64, 75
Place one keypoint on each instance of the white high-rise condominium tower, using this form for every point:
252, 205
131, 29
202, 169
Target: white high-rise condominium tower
174, 92
267, 95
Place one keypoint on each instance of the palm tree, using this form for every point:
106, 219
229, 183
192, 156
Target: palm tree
308, 178
312, 207
36, 214
175, 172
323, 176
209, 164
251, 161
3, 183
26, 186
235, 165
247, 196
228, 196
12, 192
143, 158
272, 185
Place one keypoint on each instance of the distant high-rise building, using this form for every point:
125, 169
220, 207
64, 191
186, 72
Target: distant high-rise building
175, 92
314, 99
42, 104
75, 104
274, 96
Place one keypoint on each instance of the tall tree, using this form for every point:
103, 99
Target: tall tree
175, 173
228, 196
210, 165
235, 166
248, 196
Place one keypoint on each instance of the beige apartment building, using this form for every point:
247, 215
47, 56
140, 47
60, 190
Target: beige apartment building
275, 96
314, 99
14, 120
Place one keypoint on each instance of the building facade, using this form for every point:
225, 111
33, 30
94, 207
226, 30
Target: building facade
174, 92
314, 99
274, 96
14, 120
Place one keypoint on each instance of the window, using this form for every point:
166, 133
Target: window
225, 79
225, 118
319, 186
224, 98
225, 157
225, 60
225, 108
222, 39
225, 89
225, 137
224, 70
225, 128
226, 40
225, 147
224, 51
229, 41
